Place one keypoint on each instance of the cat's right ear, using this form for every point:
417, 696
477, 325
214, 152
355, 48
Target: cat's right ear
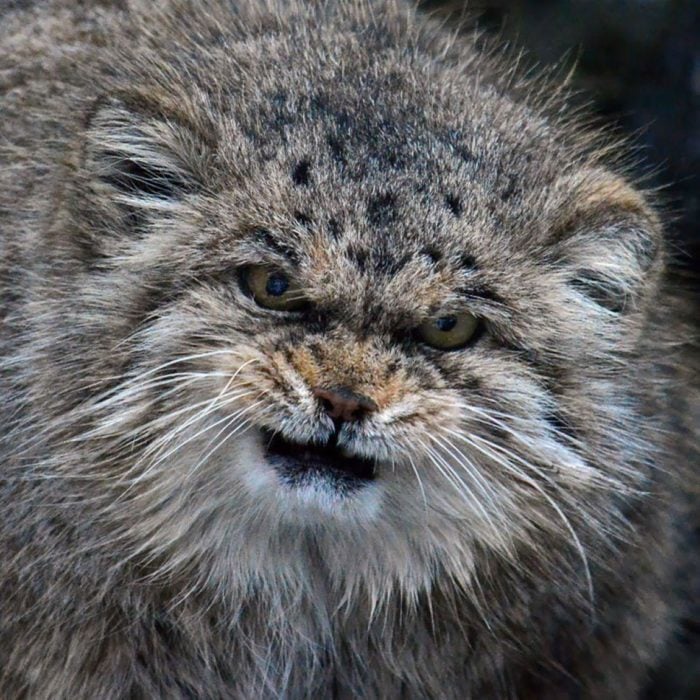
608, 238
140, 163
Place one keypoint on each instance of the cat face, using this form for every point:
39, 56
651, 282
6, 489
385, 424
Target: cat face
386, 337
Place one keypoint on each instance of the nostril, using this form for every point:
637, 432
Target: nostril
359, 411
342, 404
327, 406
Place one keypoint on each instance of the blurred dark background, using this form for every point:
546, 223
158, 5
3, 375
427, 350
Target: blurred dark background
638, 65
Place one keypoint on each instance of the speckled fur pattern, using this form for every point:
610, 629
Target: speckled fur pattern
527, 530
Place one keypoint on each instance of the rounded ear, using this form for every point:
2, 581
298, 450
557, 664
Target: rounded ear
139, 160
608, 237
136, 169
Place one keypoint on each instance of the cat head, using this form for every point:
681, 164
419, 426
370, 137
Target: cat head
354, 310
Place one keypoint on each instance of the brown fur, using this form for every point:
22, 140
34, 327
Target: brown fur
526, 536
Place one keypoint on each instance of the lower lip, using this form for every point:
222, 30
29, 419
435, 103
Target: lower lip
297, 474
297, 465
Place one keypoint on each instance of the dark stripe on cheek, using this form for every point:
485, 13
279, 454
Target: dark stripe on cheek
156, 294
603, 292
139, 179
560, 424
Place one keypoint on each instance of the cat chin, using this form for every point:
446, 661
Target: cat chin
240, 525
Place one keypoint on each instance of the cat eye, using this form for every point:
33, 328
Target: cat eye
449, 332
274, 289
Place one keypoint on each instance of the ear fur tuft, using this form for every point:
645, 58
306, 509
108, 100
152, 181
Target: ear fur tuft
140, 159
608, 236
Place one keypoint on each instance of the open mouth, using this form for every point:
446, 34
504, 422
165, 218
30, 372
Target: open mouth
299, 464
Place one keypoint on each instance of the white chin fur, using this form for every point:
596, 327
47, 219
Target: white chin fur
244, 525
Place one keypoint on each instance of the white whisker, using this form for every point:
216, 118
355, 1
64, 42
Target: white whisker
489, 452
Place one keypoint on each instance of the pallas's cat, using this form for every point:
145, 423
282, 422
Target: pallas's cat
337, 362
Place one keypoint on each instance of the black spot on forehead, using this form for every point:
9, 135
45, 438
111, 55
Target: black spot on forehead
277, 111
391, 265
432, 253
335, 229
303, 218
358, 255
337, 149
325, 106
381, 210
510, 189
301, 174
454, 204
467, 262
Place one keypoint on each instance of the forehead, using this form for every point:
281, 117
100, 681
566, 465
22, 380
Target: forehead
387, 146
373, 182
383, 146
410, 239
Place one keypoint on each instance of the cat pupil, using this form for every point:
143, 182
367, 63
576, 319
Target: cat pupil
277, 284
446, 323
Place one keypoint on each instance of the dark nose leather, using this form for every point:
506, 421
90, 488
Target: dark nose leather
343, 404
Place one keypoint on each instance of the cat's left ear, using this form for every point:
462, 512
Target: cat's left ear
608, 237
141, 160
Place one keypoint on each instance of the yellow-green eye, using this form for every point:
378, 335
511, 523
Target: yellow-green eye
449, 332
274, 289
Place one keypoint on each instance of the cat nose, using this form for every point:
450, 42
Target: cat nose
344, 405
